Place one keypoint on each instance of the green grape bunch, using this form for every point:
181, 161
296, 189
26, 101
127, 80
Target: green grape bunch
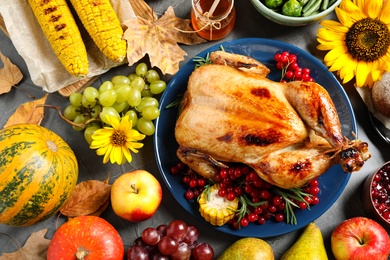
133, 95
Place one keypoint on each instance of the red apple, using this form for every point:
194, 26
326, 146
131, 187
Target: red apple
136, 195
360, 238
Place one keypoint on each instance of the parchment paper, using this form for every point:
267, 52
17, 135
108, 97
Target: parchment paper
365, 94
29, 40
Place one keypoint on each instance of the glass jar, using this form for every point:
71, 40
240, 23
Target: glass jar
213, 24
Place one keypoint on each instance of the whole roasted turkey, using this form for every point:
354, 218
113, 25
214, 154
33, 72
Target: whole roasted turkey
289, 133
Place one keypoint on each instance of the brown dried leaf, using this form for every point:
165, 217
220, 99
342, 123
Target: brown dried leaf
10, 75
88, 198
28, 113
142, 9
35, 248
159, 39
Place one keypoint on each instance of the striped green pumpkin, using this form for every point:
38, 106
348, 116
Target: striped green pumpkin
38, 173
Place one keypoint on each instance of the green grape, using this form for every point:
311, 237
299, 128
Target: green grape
119, 107
138, 83
123, 93
133, 117
89, 131
71, 111
145, 126
75, 99
87, 103
105, 86
79, 119
146, 92
157, 86
120, 79
132, 76
150, 112
91, 94
147, 101
141, 69
95, 111
134, 97
108, 111
152, 75
107, 98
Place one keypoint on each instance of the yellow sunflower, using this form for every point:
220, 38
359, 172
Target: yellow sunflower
116, 142
359, 44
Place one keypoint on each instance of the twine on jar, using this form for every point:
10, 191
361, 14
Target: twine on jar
205, 21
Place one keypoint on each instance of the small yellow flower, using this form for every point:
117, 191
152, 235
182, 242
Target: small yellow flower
116, 142
359, 44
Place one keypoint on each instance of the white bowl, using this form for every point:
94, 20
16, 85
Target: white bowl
290, 20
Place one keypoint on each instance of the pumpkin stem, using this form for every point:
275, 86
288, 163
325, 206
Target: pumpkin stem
81, 253
52, 146
134, 188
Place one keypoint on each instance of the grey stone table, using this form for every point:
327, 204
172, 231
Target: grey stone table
249, 23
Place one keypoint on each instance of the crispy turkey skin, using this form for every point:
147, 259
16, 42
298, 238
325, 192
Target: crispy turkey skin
289, 133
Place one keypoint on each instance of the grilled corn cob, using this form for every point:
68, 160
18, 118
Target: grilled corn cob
102, 24
59, 26
215, 209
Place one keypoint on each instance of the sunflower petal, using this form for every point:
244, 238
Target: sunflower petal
330, 35
334, 26
335, 53
116, 155
362, 71
127, 154
339, 62
347, 18
373, 8
384, 16
355, 9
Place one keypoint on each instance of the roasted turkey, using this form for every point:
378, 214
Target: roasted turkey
289, 133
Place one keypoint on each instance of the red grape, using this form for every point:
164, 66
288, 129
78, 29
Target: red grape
137, 253
191, 235
183, 252
203, 251
177, 230
150, 236
167, 245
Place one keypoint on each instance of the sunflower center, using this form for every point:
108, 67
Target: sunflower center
118, 138
368, 39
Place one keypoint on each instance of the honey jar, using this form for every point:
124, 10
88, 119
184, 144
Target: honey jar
213, 19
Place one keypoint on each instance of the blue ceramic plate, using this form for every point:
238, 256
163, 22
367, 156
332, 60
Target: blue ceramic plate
332, 183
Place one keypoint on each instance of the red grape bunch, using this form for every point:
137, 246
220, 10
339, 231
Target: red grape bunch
175, 241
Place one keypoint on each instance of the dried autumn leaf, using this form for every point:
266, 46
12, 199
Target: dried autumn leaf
88, 198
35, 248
10, 75
28, 112
159, 39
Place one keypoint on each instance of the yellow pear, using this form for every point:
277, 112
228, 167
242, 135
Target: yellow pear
309, 246
248, 248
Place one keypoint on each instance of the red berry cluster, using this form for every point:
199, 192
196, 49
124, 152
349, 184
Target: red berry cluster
263, 201
380, 192
288, 64
191, 179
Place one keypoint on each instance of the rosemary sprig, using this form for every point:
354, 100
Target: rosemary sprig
200, 61
290, 195
175, 103
244, 210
